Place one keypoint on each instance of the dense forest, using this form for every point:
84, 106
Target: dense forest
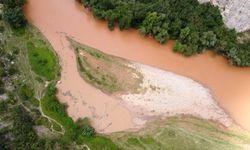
194, 26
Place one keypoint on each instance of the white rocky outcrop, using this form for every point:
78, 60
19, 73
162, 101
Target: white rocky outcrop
236, 13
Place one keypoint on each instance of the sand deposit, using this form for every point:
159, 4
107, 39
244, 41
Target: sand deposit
168, 94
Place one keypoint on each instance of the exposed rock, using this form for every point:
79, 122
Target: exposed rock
42, 131
236, 13
3, 97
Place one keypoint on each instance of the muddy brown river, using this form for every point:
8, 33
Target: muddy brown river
56, 18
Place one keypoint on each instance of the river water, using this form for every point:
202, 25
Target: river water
229, 85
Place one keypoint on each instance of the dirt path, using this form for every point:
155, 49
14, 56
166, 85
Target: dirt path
51, 119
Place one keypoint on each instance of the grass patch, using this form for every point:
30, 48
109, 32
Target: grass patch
134, 141
100, 143
147, 140
30, 50
108, 73
56, 127
42, 60
41, 57
44, 121
54, 109
181, 134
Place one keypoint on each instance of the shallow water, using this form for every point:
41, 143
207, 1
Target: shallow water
229, 85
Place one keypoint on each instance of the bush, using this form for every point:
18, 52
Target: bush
13, 3
13, 13
3, 107
25, 93
88, 131
2, 90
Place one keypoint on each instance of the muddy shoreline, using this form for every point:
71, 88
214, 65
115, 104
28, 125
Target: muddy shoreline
229, 85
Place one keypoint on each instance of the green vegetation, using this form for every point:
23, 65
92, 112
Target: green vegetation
52, 107
13, 14
28, 86
42, 60
104, 71
81, 131
194, 26
182, 134
29, 69
20, 107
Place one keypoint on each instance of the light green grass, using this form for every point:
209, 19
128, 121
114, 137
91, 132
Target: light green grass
183, 133
106, 72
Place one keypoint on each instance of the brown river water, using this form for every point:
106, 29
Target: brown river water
229, 85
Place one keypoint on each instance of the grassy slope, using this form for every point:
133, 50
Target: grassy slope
184, 133
28, 84
41, 56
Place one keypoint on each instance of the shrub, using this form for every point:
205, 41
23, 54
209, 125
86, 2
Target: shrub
13, 13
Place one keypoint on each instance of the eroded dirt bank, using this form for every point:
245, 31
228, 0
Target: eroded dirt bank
229, 85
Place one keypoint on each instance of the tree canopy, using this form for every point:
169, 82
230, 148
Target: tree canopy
196, 26
13, 13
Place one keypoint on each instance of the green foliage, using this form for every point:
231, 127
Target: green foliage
80, 131
100, 143
84, 126
208, 39
185, 34
134, 141
185, 49
147, 140
25, 93
23, 132
88, 131
182, 134
13, 13
3, 107
42, 60
56, 127
2, 90
13, 3
196, 26
22, 135
43, 121
154, 25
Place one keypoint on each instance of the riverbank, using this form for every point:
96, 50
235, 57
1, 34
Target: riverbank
183, 132
149, 93
229, 85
